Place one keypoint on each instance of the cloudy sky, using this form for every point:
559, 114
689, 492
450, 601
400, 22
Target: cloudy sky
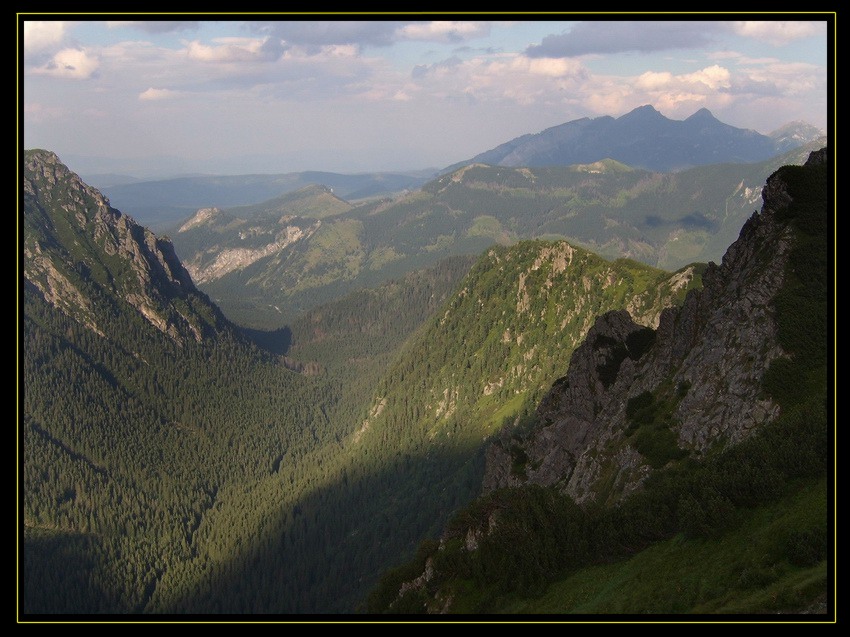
234, 96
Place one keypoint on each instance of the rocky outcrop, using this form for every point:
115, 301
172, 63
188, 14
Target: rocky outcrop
73, 238
216, 262
702, 368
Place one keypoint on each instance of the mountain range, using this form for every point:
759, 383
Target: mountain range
174, 463
239, 444
163, 202
644, 138
266, 262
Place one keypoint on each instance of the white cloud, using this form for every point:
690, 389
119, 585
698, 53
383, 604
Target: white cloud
153, 94
713, 77
234, 49
779, 32
509, 78
39, 36
787, 78
686, 86
444, 31
653, 80
341, 51
75, 64
552, 67
515, 78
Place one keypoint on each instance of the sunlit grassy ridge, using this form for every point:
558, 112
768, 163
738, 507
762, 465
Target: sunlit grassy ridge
742, 530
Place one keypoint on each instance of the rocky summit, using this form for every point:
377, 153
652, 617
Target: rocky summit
701, 369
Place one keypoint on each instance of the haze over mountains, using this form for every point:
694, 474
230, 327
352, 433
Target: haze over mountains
509, 376
163, 202
292, 252
643, 138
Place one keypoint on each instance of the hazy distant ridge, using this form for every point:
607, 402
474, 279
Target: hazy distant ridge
644, 138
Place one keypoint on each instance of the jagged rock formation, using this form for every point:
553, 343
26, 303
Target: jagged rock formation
699, 373
82, 255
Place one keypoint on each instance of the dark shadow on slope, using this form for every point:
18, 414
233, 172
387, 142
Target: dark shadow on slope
325, 553
58, 568
697, 221
273, 341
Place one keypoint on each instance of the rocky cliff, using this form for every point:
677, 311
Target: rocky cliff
86, 258
635, 399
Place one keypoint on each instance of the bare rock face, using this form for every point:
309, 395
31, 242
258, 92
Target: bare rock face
73, 238
704, 364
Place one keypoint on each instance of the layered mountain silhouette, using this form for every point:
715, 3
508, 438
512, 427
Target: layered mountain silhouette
642, 138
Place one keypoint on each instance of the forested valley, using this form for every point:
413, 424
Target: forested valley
173, 462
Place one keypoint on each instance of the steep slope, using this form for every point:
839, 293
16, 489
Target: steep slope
703, 371
402, 462
642, 138
475, 368
684, 429
144, 415
517, 318
88, 259
165, 474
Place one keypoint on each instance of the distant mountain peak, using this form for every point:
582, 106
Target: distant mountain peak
795, 134
606, 165
797, 125
702, 114
201, 217
644, 111
642, 138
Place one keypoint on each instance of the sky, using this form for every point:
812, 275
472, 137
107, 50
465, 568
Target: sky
220, 95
